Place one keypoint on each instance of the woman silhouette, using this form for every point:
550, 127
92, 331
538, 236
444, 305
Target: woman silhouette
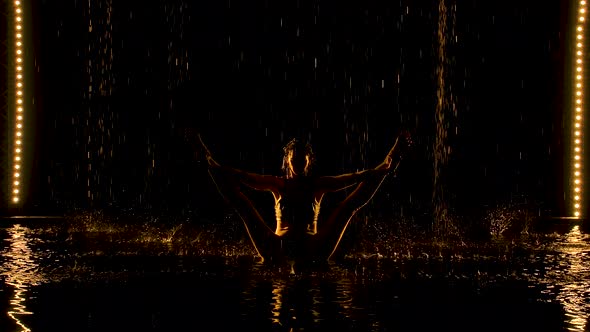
299, 235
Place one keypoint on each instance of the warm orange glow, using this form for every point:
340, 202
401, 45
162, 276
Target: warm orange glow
578, 93
19, 95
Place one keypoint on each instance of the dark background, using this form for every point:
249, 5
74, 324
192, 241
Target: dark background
110, 103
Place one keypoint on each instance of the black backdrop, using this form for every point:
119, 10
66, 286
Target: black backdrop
117, 81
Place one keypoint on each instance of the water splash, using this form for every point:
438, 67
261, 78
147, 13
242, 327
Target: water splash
445, 107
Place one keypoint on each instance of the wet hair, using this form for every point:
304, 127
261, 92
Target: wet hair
297, 148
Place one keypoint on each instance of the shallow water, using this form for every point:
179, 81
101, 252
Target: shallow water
61, 280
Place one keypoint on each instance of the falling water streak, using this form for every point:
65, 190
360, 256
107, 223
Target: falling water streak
177, 17
100, 119
20, 273
444, 104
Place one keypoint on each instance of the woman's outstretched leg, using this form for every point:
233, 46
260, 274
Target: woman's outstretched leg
265, 241
329, 236
332, 230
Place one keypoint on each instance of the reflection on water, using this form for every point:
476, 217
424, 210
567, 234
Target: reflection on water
458, 290
277, 301
286, 302
569, 277
20, 272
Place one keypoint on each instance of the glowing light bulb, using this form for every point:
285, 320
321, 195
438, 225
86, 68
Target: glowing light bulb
15, 199
16, 183
16, 175
15, 191
577, 214
17, 150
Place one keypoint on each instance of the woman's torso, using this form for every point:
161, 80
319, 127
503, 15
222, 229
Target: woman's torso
297, 207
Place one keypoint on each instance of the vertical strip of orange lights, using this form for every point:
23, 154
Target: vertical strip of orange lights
16, 187
578, 116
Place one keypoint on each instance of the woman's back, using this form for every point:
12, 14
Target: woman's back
296, 206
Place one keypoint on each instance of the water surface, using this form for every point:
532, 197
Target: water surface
54, 278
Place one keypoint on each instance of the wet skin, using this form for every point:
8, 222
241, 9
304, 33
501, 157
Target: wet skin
299, 235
